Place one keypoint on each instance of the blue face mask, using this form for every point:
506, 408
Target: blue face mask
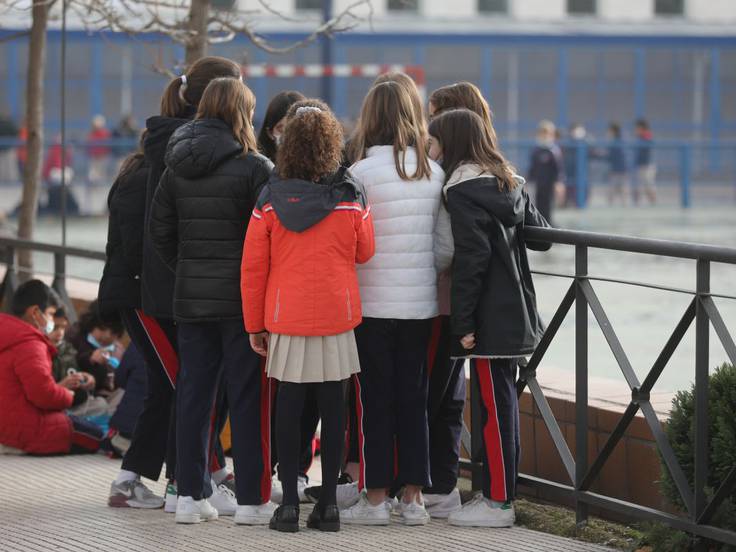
97, 345
114, 362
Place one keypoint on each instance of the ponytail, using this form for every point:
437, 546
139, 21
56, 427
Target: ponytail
183, 93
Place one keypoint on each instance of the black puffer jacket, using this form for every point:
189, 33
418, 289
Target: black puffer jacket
157, 283
492, 290
200, 214
120, 286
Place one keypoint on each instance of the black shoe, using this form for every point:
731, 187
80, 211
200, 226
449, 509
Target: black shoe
324, 518
285, 519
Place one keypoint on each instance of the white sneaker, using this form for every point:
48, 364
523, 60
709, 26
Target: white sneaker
365, 513
189, 510
393, 503
347, 495
480, 512
413, 513
223, 500
277, 493
301, 486
254, 515
170, 498
442, 505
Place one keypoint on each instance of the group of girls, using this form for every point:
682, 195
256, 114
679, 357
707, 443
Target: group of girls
358, 270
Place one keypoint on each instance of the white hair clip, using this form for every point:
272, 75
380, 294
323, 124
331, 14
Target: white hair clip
183, 88
307, 109
183, 79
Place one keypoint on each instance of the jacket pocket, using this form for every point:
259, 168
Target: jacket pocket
278, 306
350, 306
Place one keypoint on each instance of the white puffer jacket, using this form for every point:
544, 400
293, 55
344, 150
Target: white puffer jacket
413, 238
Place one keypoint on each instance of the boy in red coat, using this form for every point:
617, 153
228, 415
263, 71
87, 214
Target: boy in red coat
32, 416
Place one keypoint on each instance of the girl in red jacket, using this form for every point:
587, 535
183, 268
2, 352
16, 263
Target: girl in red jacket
300, 294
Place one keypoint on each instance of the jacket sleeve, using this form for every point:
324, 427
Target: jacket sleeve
532, 217
444, 247
33, 370
470, 223
130, 211
366, 237
163, 224
254, 270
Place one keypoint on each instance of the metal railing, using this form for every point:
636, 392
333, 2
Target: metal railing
582, 470
10, 246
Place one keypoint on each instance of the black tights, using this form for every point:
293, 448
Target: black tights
288, 415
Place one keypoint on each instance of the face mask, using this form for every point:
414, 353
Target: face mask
114, 362
97, 345
49, 326
278, 140
578, 133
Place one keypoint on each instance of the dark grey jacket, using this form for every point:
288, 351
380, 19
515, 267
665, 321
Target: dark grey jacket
492, 290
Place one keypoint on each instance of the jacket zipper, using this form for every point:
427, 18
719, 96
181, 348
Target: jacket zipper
278, 305
350, 308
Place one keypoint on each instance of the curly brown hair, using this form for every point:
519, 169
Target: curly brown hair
313, 142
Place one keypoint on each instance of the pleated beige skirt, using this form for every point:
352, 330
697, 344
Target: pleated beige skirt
312, 359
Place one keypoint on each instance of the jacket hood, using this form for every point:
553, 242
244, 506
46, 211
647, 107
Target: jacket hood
16, 331
158, 131
198, 147
507, 206
300, 204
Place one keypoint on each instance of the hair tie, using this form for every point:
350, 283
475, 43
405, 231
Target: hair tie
182, 88
183, 79
307, 109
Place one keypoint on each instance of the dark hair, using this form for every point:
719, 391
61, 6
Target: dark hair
94, 318
61, 313
463, 138
463, 95
313, 141
277, 109
180, 98
642, 123
615, 129
33, 293
388, 118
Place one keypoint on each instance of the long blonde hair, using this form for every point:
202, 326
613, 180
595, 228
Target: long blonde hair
232, 102
388, 118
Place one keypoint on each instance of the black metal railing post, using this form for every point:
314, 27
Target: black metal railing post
59, 285
10, 281
581, 380
702, 344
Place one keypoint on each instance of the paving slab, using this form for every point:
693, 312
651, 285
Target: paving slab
59, 504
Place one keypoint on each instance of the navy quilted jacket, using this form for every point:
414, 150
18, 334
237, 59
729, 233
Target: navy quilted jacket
199, 216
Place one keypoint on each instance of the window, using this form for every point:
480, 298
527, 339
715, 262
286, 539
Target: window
302, 5
493, 6
669, 7
403, 5
581, 7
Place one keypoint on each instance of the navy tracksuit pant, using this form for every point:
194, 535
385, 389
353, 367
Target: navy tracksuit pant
212, 352
444, 409
391, 397
500, 421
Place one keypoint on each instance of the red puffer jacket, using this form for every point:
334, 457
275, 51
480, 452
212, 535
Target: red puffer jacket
32, 405
298, 272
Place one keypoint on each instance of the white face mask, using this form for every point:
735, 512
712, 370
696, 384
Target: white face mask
278, 140
49, 325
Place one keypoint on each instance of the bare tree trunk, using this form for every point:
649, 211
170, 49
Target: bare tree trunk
199, 12
34, 124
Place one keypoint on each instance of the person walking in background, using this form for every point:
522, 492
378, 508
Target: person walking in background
98, 150
198, 222
646, 170
494, 316
618, 176
545, 168
574, 151
399, 294
58, 163
311, 225
270, 139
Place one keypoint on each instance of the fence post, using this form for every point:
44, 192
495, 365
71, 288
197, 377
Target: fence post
685, 176
59, 285
581, 172
702, 336
10, 281
581, 381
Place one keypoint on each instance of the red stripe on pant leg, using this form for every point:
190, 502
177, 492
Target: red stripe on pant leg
85, 441
434, 343
266, 395
361, 438
161, 344
214, 435
492, 432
